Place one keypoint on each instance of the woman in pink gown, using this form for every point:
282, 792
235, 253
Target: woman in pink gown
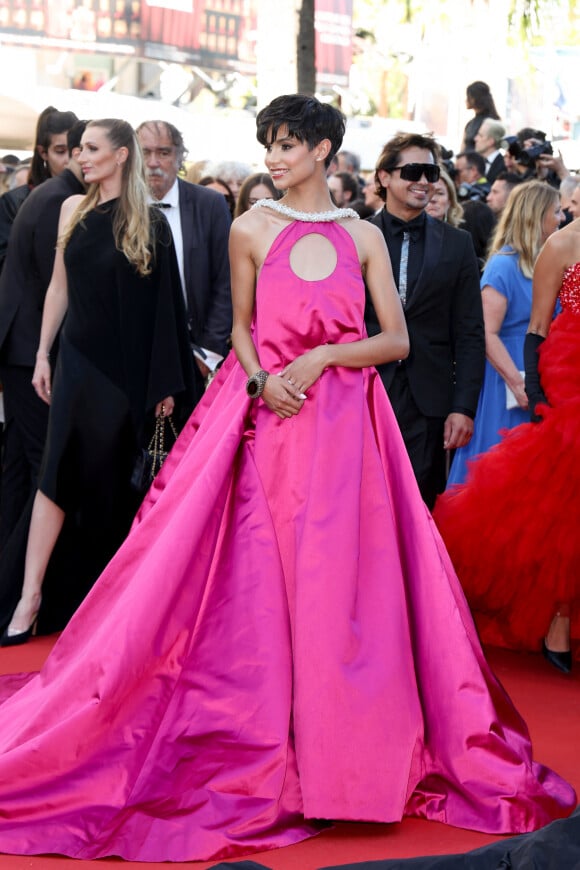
281, 639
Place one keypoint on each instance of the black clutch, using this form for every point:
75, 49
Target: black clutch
150, 459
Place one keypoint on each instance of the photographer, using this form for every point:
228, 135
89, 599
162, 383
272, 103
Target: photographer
469, 177
472, 191
534, 157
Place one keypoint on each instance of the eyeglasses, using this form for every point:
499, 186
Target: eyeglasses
415, 171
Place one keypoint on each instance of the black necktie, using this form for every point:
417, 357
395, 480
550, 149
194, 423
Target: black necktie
163, 204
414, 227
410, 232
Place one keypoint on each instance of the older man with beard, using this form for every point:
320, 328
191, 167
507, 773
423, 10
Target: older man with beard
200, 222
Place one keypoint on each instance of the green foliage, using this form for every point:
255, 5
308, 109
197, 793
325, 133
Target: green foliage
524, 16
528, 20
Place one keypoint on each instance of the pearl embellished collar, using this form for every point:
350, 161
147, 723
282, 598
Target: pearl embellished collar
335, 214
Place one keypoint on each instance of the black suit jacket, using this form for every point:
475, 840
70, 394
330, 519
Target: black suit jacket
205, 226
445, 321
28, 268
10, 202
494, 170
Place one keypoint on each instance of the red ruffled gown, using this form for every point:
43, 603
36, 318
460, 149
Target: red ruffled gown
281, 638
513, 528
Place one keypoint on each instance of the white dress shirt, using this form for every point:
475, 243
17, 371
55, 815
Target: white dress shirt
170, 203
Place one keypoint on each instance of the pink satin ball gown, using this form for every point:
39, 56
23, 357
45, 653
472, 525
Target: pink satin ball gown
281, 639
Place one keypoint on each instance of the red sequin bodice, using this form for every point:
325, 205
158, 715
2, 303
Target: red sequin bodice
570, 289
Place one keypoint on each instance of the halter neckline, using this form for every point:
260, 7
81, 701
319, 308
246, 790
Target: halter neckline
335, 214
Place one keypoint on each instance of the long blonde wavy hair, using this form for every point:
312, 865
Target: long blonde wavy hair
455, 211
521, 223
131, 223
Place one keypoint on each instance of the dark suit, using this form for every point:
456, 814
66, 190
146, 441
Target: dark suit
23, 284
444, 370
10, 202
205, 226
28, 268
497, 166
479, 221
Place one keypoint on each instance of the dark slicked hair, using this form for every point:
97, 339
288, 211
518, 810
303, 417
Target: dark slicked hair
50, 123
390, 154
512, 179
74, 135
474, 160
305, 118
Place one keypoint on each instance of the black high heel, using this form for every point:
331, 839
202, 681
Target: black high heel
560, 660
8, 639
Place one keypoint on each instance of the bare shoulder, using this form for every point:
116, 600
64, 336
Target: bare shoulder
363, 229
71, 203
68, 208
367, 237
256, 230
570, 234
249, 222
562, 248
246, 229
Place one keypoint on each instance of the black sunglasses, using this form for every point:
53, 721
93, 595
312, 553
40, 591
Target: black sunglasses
415, 171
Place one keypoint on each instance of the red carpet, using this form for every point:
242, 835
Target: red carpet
549, 701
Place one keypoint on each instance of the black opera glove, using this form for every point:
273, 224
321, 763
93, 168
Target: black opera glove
534, 389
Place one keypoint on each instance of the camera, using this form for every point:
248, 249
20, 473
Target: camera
526, 156
447, 163
476, 192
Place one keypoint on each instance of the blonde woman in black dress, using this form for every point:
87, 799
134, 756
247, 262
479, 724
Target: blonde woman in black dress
123, 356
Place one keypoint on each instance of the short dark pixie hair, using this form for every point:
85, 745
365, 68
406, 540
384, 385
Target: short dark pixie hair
391, 151
306, 119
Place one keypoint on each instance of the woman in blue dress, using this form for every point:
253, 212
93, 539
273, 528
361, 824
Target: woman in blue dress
532, 213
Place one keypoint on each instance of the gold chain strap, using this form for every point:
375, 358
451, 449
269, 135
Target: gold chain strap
157, 444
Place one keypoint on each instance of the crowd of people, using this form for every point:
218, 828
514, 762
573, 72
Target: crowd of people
81, 484
344, 361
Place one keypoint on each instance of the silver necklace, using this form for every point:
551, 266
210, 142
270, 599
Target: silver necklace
335, 214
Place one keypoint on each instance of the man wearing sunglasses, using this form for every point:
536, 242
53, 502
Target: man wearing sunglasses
434, 392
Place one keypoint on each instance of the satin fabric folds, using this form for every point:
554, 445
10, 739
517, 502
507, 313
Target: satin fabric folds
281, 637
